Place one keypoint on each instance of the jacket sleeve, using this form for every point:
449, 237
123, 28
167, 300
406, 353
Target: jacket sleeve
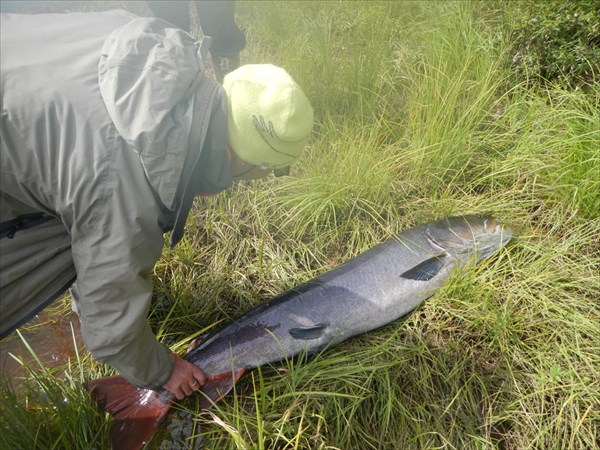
115, 244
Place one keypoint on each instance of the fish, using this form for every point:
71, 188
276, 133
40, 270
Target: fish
373, 289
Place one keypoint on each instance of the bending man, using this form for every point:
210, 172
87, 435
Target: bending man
110, 128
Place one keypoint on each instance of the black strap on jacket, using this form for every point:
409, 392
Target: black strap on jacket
10, 227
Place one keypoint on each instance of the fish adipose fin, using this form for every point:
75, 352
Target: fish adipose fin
137, 412
426, 270
308, 333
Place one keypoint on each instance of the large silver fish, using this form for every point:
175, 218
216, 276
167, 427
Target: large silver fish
375, 288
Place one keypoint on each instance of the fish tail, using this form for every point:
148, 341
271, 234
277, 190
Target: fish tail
137, 412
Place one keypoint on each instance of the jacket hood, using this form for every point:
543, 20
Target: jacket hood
154, 86
149, 72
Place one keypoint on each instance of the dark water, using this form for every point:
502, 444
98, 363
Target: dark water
51, 338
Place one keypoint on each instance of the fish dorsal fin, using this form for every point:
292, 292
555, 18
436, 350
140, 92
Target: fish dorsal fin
426, 270
308, 333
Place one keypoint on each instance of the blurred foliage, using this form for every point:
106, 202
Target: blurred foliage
555, 40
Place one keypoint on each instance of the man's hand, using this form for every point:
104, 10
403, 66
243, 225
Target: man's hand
185, 378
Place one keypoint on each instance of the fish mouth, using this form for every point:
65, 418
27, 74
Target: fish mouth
505, 236
494, 237
497, 229
459, 234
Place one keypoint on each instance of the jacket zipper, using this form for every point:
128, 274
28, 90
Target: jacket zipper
11, 227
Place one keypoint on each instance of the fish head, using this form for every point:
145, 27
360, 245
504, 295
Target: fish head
468, 237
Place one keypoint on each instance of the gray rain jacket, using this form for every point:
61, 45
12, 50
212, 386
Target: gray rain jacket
109, 129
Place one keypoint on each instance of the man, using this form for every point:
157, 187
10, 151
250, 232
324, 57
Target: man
216, 19
110, 128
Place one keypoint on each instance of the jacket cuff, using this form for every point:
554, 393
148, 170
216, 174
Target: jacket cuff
143, 363
164, 374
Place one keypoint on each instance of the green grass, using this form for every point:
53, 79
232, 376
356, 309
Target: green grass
415, 120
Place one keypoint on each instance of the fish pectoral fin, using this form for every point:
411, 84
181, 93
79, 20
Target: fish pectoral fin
426, 270
218, 386
309, 333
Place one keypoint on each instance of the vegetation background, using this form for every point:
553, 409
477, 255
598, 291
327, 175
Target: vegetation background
423, 109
